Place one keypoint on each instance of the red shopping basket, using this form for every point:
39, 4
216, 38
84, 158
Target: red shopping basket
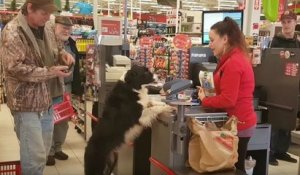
161, 166
10, 168
63, 110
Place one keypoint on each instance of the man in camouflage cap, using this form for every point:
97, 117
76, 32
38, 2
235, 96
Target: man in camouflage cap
30, 60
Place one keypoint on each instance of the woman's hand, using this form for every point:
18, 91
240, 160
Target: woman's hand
201, 93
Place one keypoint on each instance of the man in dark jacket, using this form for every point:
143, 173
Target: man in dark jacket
281, 138
63, 27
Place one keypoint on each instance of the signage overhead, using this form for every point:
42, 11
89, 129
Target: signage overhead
110, 31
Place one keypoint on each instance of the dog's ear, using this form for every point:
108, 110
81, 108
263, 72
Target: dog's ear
137, 67
130, 76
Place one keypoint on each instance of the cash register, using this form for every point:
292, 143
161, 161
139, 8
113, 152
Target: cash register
121, 64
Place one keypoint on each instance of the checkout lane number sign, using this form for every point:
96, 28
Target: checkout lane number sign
110, 30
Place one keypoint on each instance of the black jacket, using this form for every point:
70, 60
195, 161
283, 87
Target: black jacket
77, 87
279, 41
280, 118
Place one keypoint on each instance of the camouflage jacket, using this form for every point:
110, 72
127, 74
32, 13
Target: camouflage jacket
25, 74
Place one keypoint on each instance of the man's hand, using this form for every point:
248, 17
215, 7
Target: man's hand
67, 58
60, 71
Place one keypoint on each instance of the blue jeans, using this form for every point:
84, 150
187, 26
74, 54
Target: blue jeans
34, 131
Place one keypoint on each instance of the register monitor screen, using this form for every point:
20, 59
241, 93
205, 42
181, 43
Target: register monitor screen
201, 54
209, 18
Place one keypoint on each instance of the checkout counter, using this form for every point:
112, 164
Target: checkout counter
167, 142
121, 64
170, 139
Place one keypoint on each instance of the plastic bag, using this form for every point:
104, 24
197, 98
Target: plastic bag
211, 148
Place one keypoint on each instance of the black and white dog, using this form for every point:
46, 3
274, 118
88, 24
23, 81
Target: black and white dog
128, 110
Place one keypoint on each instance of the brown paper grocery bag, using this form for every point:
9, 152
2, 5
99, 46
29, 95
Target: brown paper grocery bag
213, 149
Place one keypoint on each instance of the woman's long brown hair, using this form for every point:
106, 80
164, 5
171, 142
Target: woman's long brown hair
235, 36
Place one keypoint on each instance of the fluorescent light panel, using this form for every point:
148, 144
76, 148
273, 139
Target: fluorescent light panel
161, 6
149, 3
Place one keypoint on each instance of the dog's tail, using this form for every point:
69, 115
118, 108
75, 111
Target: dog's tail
95, 159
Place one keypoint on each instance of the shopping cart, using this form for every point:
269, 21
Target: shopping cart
63, 110
10, 168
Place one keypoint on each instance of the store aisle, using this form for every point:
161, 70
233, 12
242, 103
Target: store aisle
9, 146
74, 147
285, 168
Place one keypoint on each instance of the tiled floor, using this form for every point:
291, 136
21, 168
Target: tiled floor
74, 147
284, 168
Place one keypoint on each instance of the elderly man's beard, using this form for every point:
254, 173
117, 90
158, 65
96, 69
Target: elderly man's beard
63, 37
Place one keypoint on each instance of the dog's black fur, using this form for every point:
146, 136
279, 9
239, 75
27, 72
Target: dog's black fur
122, 113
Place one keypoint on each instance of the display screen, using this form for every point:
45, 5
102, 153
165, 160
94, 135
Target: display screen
209, 18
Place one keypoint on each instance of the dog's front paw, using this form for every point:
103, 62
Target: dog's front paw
156, 103
169, 109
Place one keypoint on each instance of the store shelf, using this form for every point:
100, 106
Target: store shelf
170, 34
190, 33
171, 16
78, 124
77, 107
8, 12
188, 23
155, 22
81, 17
157, 55
79, 128
80, 117
91, 99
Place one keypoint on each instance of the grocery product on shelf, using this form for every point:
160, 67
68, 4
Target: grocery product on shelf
179, 64
92, 74
145, 57
161, 56
82, 44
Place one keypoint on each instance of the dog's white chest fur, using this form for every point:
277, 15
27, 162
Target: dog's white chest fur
143, 95
151, 110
